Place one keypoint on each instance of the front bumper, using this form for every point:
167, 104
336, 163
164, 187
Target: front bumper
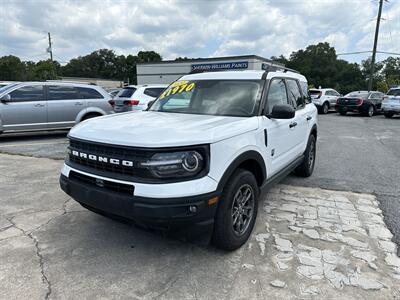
156, 213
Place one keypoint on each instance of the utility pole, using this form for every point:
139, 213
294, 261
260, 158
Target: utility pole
50, 50
378, 21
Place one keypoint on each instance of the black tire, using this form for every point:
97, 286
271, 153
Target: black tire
324, 109
228, 234
388, 115
306, 168
370, 111
342, 113
90, 116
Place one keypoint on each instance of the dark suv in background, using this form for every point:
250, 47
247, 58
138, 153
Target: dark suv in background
367, 103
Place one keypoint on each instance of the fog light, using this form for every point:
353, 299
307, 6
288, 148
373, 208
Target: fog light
193, 208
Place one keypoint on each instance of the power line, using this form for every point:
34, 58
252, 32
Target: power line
368, 51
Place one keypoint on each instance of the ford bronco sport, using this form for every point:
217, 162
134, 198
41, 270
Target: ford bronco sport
200, 155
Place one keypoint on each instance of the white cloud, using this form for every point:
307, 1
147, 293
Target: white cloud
193, 28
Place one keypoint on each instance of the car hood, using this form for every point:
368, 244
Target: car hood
159, 129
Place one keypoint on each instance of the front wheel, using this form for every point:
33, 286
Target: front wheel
388, 115
306, 168
237, 211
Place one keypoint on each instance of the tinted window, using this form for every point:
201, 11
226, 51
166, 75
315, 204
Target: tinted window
127, 92
153, 92
357, 95
295, 97
315, 92
276, 94
62, 92
329, 93
28, 93
394, 92
88, 93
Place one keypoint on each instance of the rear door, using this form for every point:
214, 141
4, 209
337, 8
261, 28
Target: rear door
300, 130
27, 109
64, 104
279, 135
94, 98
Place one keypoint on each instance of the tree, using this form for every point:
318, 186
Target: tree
11, 68
149, 56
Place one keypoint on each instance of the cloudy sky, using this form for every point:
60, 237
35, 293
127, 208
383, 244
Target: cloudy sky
194, 28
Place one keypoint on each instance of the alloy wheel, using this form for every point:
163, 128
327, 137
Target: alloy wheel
242, 209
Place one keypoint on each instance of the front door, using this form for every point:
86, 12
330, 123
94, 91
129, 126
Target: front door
26, 110
280, 133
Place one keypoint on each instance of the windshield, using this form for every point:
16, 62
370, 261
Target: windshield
6, 87
394, 92
357, 95
211, 97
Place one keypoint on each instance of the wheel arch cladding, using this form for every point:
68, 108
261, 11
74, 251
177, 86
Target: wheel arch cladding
314, 131
249, 160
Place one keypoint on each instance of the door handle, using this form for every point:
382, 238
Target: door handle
38, 105
293, 124
78, 103
309, 118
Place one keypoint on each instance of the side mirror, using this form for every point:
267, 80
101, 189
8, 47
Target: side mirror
150, 103
5, 98
282, 111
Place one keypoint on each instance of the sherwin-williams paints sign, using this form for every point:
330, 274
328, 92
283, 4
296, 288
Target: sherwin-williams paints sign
222, 66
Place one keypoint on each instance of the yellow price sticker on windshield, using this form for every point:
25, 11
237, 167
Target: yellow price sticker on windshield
177, 88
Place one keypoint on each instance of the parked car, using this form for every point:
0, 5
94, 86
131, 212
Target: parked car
324, 99
136, 97
200, 160
113, 92
367, 103
50, 105
391, 105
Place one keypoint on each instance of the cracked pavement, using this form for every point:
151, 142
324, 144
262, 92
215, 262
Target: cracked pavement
307, 243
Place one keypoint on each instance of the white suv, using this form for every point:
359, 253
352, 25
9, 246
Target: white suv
324, 99
136, 97
391, 103
199, 156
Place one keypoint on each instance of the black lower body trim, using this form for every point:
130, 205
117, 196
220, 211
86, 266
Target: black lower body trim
162, 214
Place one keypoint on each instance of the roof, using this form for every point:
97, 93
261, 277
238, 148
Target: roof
211, 59
242, 75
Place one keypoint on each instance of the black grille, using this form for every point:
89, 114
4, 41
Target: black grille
108, 185
122, 153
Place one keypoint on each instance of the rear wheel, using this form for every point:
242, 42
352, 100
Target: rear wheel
307, 166
90, 116
324, 108
388, 114
237, 211
370, 111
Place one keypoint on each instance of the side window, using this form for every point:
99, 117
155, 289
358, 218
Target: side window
62, 92
276, 94
28, 93
295, 97
335, 93
306, 94
153, 92
88, 93
328, 93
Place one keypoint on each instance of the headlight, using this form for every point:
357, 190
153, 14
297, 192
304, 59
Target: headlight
175, 164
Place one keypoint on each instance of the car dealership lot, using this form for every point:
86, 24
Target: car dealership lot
51, 246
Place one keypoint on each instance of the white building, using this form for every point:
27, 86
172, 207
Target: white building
170, 70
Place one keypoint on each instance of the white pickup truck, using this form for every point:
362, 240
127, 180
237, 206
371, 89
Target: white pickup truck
200, 155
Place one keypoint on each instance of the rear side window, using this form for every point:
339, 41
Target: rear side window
88, 93
153, 92
28, 93
62, 92
276, 94
295, 97
127, 92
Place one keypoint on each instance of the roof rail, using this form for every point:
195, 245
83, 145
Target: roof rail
272, 68
196, 71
